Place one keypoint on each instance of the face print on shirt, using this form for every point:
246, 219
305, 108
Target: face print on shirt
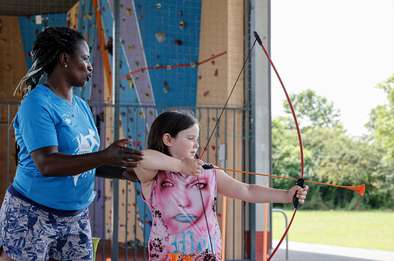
180, 199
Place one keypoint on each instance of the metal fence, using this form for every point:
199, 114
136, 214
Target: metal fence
227, 149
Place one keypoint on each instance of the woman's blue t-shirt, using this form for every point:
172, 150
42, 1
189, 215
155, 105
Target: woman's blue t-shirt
43, 120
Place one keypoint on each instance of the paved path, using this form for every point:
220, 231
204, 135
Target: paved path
316, 252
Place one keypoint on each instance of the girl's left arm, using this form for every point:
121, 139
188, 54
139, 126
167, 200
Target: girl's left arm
253, 193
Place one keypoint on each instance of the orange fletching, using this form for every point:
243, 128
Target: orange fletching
360, 190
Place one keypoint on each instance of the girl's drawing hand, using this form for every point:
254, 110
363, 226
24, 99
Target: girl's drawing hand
191, 167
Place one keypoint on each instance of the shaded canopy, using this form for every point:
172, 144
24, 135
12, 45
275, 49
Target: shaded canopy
36, 7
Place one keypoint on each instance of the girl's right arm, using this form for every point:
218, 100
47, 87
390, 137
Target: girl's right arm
153, 161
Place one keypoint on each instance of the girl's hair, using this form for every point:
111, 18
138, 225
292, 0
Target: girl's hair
49, 44
171, 122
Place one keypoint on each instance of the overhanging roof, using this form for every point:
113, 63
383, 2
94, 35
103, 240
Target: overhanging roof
34, 7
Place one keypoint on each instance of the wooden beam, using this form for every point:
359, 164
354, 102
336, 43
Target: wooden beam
37, 7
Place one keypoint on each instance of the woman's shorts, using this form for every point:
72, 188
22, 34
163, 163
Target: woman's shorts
28, 232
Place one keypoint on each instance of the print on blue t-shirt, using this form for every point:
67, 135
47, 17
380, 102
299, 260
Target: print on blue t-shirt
45, 119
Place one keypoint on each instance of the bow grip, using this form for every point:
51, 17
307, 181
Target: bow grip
300, 182
207, 166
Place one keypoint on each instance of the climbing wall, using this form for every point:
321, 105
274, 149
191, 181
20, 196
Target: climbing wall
158, 70
132, 124
30, 26
170, 35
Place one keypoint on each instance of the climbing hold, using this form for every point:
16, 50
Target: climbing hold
166, 87
206, 93
158, 5
199, 77
109, 45
130, 47
38, 19
216, 72
129, 11
182, 24
160, 36
178, 42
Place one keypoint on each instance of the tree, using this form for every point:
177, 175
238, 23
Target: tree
381, 122
331, 155
381, 127
313, 110
344, 160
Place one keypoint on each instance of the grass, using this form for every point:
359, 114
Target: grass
360, 229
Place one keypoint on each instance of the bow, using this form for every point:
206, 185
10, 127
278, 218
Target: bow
300, 181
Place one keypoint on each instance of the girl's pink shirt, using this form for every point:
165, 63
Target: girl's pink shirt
179, 228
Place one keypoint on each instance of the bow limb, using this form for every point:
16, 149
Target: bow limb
300, 181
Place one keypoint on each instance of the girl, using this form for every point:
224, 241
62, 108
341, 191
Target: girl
181, 205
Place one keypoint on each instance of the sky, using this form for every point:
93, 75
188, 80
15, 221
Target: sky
339, 48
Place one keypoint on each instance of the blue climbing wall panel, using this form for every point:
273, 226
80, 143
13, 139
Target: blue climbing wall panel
170, 31
30, 26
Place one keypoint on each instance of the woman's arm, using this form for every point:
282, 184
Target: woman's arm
154, 160
233, 188
112, 172
52, 163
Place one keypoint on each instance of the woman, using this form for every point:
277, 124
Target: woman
44, 215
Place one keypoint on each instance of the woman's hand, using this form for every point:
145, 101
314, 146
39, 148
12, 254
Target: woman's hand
129, 174
191, 167
118, 154
299, 192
